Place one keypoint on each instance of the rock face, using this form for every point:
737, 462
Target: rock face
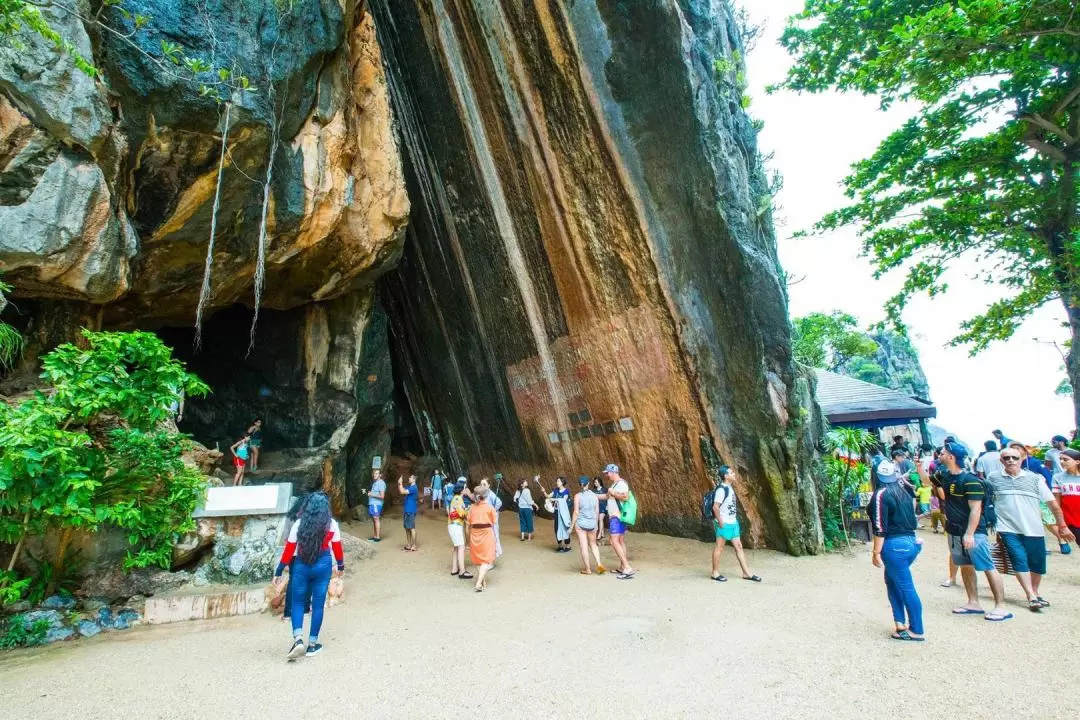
570, 261
590, 272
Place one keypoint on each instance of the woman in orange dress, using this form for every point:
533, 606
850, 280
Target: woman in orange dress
481, 524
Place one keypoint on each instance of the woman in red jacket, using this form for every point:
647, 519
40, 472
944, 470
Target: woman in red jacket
311, 540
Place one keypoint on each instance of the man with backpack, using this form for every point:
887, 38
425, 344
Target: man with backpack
725, 522
969, 512
619, 495
1019, 495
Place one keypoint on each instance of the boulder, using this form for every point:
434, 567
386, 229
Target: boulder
59, 602
87, 628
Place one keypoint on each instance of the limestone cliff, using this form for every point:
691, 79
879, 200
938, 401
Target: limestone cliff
586, 271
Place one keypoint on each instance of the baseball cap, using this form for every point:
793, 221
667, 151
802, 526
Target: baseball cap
957, 451
612, 468
1059, 438
583, 479
887, 472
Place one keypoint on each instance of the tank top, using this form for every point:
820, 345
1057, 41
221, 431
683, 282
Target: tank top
588, 504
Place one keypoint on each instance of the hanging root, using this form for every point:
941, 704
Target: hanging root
204, 294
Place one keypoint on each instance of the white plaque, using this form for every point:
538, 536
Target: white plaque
269, 499
376, 462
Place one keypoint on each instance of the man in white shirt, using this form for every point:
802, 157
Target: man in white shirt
989, 462
618, 491
726, 526
1018, 495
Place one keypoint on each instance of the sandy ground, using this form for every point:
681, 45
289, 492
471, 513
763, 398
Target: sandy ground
544, 641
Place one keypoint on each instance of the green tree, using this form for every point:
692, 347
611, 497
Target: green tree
829, 341
94, 450
11, 342
985, 176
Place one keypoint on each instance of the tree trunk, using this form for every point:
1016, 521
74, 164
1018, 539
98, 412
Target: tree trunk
1072, 361
19, 545
58, 563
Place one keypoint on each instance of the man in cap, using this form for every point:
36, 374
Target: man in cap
618, 492
1059, 442
965, 522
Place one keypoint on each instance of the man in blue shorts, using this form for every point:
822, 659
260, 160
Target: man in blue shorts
618, 491
966, 525
376, 498
726, 526
409, 509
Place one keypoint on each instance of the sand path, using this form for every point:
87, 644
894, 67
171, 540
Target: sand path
544, 641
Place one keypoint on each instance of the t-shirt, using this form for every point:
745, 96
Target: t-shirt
524, 498
379, 486
1069, 487
922, 494
436, 483
448, 492
1054, 456
1018, 502
242, 451
411, 499
989, 463
959, 490
612, 505
725, 498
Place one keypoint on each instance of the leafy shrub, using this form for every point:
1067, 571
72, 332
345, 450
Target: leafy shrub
15, 633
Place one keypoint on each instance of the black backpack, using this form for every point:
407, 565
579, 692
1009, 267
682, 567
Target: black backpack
988, 510
707, 502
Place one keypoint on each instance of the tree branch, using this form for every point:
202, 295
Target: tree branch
1040, 121
1046, 149
1067, 101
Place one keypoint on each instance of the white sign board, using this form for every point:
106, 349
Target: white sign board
269, 499
376, 462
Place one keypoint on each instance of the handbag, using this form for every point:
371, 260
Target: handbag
1002, 561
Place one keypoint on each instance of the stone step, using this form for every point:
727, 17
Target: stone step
205, 603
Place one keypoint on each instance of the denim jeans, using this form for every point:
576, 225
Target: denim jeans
525, 520
898, 554
288, 595
310, 581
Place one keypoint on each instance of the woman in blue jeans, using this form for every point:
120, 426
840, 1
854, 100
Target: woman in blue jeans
311, 541
892, 515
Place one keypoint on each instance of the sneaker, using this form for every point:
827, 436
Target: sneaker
296, 650
1065, 548
313, 649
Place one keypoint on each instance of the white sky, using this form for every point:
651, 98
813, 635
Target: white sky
815, 139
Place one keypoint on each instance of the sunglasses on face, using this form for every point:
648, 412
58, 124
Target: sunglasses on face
1006, 458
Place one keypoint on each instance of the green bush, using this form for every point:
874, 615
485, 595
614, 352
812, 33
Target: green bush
94, 451
15, 633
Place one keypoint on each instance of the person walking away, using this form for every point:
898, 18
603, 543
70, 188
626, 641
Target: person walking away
989, 461
481, 531
292, 517
376, 500
1067, 490
312, 540
496, 503
455, 525
585, 520
560, 499
895, 549
601, 519
966, 525
436, 488
1034, 465
448, 491
409, 509
240, 457
255, 433
526, 507
1018, 496
726, 526
1058, 443
618, 492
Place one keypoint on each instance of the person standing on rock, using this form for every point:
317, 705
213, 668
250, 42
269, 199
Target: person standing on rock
526, 507
481, 531
618, 492
726, 526
240, 453
376, 499
255, 433
312, 540
892, 518
584, 521
455, 526
409, 509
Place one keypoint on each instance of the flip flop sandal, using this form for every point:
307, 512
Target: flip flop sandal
999, 618
1043, 601
466, 576
906, 636
753, 578
627, 576
1035, 605
719, 578
454, 574
582, 572
967, 611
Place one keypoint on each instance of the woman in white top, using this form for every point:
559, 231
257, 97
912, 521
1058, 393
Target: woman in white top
526, 507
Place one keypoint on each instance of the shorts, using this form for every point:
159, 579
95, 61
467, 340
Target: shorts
1027, 553
729, 532
457, 535
374, 510
409, 520
924, 508
255, 443
616, 526
978, 557
239, 462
